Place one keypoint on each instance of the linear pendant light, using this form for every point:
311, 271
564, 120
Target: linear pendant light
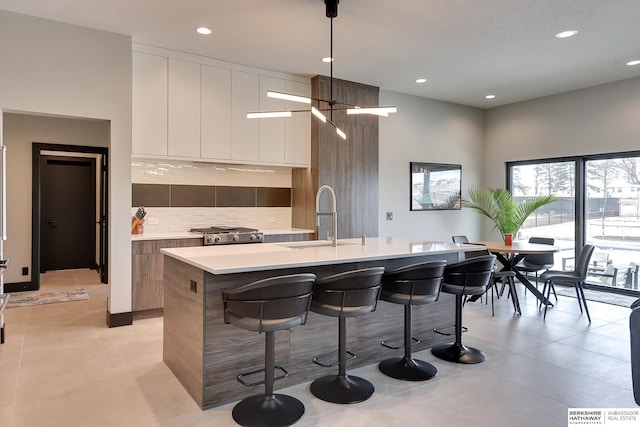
268, 114
331, 12
288, 97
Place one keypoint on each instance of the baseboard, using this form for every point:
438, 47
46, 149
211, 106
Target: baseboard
119, 319
20, 286
147, 314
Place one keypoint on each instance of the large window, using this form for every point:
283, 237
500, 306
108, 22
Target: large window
599, 204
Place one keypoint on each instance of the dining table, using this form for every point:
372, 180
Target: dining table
510, 255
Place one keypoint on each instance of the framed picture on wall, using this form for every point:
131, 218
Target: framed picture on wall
435, 186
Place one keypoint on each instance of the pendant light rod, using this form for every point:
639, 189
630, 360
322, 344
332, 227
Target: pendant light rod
331, 13
331, 65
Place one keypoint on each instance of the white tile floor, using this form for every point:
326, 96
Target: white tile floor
61, 366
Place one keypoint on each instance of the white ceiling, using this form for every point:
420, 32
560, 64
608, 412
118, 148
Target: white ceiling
465, 48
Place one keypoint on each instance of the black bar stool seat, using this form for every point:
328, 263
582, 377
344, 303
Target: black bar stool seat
464, 278
415, 284
343, 295
269, 305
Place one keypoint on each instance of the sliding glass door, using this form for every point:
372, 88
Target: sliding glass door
612, 222
557, 220
599, 205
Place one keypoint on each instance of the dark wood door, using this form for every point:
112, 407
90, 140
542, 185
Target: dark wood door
68, 213
102, 222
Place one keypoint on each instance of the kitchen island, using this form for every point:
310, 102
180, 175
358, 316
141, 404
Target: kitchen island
206, 355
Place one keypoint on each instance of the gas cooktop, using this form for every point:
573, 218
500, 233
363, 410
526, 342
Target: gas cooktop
221, 235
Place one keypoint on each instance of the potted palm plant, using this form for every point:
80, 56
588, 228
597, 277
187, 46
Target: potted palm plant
499, 205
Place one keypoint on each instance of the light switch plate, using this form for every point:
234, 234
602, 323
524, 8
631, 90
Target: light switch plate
389, 216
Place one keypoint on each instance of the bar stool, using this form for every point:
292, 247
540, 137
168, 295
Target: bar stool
468, 277
415, 284
343, 295
268, 305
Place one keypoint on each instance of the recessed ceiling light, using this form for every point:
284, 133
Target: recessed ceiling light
490, 96
327, 59
565, 34
634, 62
421, 80
204, 31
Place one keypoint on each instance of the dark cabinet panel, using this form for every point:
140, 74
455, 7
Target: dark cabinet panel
147, 269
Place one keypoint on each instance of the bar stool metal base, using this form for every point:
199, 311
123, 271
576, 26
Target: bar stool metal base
408, 369
259, 410
458, 353
342, 389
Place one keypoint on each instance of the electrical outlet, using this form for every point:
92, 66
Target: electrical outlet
389, 216
271, 219
152, 221
25, 271
193, 285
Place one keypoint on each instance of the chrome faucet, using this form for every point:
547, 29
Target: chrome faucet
333, 213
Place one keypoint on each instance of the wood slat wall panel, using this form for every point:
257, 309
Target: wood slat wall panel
350, 167
183, 325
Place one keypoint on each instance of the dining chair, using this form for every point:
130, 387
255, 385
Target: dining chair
535, 263
460, 239
507, 278
634, 331
575, 278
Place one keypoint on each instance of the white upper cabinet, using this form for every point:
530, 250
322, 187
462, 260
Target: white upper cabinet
184, 109
245, 89
215, 115
149, 104
297, 131
271, 148
189, 107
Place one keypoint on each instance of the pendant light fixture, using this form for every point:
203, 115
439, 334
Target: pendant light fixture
331, 104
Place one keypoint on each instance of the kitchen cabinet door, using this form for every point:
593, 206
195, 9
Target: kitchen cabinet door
147, 271
271, 146
215, 115
245, 89
297, 131
184, 109
149, 104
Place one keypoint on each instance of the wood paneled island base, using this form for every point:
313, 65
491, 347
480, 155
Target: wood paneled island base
206, 355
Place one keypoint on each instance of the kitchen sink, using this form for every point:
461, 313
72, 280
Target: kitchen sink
312, 244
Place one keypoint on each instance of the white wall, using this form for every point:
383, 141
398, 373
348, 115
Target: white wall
20, 130
431, 131
58, 69
600, 119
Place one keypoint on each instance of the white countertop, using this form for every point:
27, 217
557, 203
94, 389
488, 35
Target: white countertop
190, 235
227, 259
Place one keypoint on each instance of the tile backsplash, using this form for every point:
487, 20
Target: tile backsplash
182, 219
145, 171
265, 180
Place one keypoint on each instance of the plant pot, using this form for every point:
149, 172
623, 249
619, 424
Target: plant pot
508, 239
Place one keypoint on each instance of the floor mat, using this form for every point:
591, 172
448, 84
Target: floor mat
599, 296
24, 299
